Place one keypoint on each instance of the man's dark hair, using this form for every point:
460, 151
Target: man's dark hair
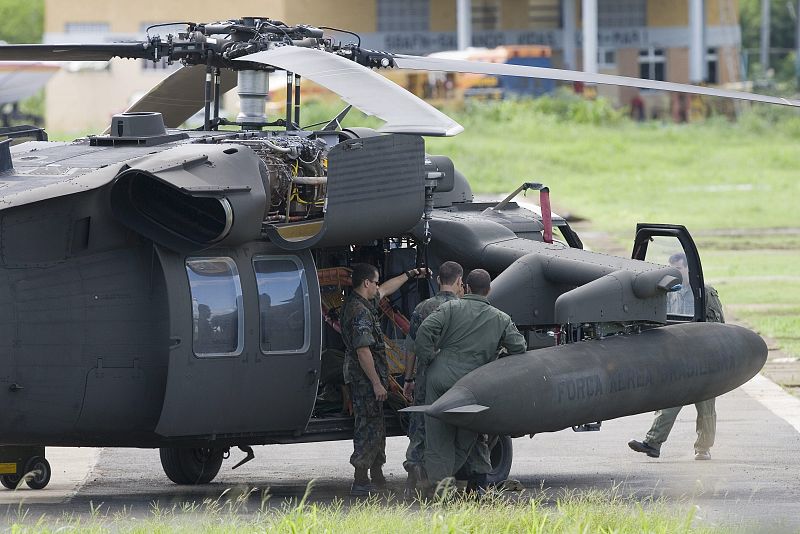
449, 272
361, 272
479, 282
678, 257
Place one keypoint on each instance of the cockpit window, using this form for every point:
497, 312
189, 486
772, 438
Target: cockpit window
667, 250
217, 313
283, 304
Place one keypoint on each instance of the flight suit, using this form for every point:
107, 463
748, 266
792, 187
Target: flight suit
706, 424
361, 328
416, 423
468, 333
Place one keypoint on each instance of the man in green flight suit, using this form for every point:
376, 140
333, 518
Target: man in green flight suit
706, 423
450, 288
366, 371
460, 336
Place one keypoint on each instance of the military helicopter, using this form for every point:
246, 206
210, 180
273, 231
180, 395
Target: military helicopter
177, 289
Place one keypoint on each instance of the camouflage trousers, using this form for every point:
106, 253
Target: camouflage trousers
706, 426
369, 432
415, 453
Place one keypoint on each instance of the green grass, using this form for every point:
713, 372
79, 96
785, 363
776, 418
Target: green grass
708, 176
595, 512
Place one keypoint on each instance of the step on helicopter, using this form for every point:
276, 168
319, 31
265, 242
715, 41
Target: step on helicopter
178, 289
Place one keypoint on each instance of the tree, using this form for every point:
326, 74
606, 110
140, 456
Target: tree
782, 34
21, 21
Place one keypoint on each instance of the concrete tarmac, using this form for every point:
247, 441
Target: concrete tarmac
751, 482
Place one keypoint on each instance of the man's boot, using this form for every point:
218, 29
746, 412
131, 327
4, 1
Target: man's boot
376, 475
361, 486
411, 482
479, 485
422, 484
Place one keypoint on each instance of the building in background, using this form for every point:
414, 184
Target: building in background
640, 38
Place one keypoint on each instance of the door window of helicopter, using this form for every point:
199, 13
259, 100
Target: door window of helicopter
283, 304
667, 250
217, 312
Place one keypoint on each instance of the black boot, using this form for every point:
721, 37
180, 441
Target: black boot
477, 484
411, 481
361, 486
376, 475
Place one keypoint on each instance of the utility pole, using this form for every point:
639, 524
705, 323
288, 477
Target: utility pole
697, 48
464, 23
589, 15
765, 19
568, 17
797, 42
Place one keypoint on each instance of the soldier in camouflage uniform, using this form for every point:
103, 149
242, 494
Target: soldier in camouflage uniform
460, 336
706, 424
450, 288
366, 372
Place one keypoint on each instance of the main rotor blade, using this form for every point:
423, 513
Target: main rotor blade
500, 69
181, 94
364, 89
73, 52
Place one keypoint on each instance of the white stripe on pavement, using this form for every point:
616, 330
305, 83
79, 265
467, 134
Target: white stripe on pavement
775, 399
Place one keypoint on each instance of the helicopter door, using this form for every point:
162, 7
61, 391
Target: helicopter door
672, 245
246, 344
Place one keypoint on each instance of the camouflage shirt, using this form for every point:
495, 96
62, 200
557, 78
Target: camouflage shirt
713, 306
361, 327
421, 311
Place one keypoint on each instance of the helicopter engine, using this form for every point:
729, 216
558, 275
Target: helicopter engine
297, 171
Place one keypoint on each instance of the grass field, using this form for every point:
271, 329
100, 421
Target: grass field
592, 512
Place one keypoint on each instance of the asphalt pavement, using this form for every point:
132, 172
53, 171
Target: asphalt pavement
751, 481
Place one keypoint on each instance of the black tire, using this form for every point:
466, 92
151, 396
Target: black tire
10, 481
37, 473
184, 465
501, 454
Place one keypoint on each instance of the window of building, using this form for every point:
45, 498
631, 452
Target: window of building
621, 13
712, 66
606, 58
283, 304
217, 313
485, 15
544, 13
86, 27
407, 16
652, 64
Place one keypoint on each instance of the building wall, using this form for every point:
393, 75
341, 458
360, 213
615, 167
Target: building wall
126, 16
521, 21
443, 15
678, 65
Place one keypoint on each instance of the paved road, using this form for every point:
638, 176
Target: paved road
751, 481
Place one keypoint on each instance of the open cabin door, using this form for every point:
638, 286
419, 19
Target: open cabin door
672, 245
245, 338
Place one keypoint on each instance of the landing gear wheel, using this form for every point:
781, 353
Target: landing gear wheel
185, 465
501, 453
37, 472
10, 481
